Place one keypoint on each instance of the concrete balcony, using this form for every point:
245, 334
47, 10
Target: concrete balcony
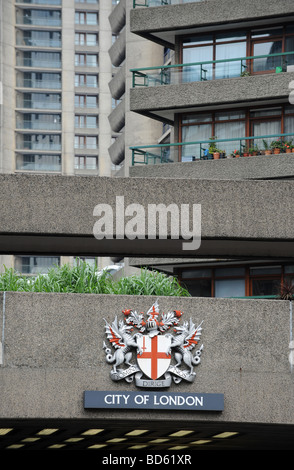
163, 102
117, 85
165, 23
117, 117
117, 17
117, 52
53, 214
246, 168
117, 149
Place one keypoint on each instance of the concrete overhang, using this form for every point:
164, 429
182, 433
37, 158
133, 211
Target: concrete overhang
50, 214
165, 101
164, 24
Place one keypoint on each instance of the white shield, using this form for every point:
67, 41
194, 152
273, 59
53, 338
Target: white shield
155, 360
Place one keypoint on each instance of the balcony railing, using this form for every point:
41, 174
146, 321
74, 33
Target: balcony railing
38, 104
213, 149
34, 42
159, 3
35, 63
38, 125
42, 21
41, 2
40, 84
211, 70
39, 146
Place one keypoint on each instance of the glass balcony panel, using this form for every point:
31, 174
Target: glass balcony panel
39, 142
41, 2
39, 122
34, 162
225, 52
39, 17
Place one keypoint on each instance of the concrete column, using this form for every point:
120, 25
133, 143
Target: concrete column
68, 90
105, 74
139, 130
7, 84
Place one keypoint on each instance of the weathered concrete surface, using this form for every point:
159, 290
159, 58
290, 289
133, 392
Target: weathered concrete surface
53, 352
163, 23
257, 167
54, 214
166, 100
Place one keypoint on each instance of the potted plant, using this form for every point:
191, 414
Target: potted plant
253, 150
267, 150
288, 147
213, 148
235, 154
276, 145
246, 153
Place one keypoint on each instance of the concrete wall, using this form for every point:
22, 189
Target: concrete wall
53, 352
260, 167
54, 214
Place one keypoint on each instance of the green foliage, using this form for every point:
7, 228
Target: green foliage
83, 279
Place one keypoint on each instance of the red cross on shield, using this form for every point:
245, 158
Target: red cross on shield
154, 361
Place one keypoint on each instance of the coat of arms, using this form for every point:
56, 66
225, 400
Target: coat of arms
151, 341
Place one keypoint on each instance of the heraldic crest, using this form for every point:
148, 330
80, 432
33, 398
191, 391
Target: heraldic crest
153, 344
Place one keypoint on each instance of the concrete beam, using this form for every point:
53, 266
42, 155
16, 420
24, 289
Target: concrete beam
163, 102
54, 214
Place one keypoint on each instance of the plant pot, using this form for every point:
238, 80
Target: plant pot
267, 152
276, 151
293, 150
216, 155
254, 154
288, 151
237, 155
246, 154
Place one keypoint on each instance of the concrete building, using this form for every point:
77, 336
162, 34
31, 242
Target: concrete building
59, 386
55, 98
229, 85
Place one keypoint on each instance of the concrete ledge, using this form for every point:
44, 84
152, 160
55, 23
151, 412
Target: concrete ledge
164, 23
259, 167
164, 101
53, 352
54, 214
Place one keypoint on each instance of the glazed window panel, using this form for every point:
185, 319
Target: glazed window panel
265, 286
197, 55
267, 63
226, 52
229, 288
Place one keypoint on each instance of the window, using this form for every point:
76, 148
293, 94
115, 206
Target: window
86, 101
240, 281
86, 80
84, 121
35, 264
88, 39
237, 44
87, 18
86, 163
86, 142
88, 60
258, 122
